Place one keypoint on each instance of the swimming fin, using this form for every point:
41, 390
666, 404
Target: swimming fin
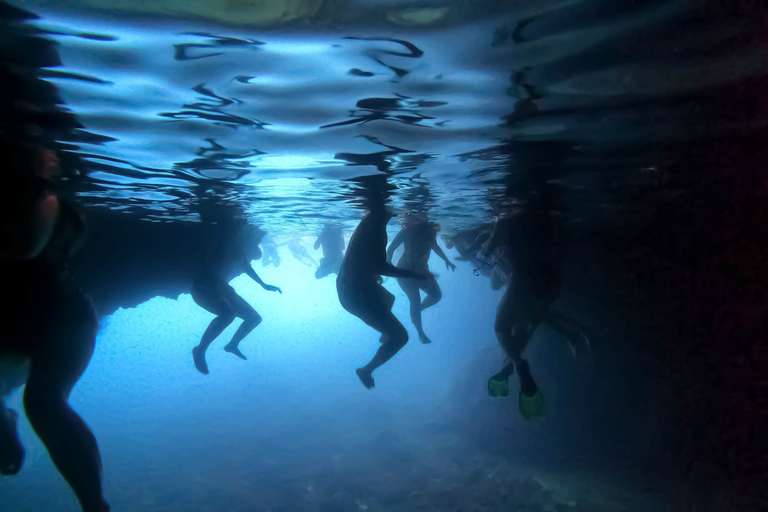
498, 385
530, 401
531, 406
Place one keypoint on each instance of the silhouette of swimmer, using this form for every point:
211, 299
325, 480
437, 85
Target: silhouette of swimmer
361, 293
271, 257
522, 242
225, 252
49, 327
331, 239
574, 332
419, 239
299, 252
468, 242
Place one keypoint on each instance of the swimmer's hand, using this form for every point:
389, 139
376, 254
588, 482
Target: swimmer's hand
450, 266
271, 288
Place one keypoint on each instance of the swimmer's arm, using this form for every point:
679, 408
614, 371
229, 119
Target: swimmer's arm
396, 242
28, 240
390, 270
253, 275
441, 254
439, 251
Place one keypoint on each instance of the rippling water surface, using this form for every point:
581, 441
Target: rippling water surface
287, 115
287, 106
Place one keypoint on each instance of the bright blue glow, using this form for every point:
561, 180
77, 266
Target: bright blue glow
291, 161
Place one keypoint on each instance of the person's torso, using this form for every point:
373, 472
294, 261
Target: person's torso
417, 247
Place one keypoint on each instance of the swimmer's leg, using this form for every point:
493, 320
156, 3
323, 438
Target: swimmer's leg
389, 270
215, 328
53, 372
251, 319
433, 291
393, 338
225, 315
411, 289
574, 332
11, 449
517, 317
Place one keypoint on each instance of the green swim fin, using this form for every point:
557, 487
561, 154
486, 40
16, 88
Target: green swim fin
498, 385
530, 401
531, 406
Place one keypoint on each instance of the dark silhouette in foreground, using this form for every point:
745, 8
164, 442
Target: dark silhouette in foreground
49, 327
225, 252
361, 293
419, 239
331, 239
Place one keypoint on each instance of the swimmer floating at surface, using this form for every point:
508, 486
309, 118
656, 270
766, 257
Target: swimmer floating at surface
361, 293
467, 243
300, 252
225, 253
271, 257
49, 328
331, 239
419, 239
522, 242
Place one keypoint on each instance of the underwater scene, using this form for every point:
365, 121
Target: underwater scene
383, 255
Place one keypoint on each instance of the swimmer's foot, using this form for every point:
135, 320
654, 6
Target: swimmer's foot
498, 385
198, 355
424, 338
233, 349
365, 377
530, 401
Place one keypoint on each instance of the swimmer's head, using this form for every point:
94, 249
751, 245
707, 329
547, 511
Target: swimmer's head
47, 164
413, 219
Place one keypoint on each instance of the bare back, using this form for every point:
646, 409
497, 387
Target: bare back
366, 252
